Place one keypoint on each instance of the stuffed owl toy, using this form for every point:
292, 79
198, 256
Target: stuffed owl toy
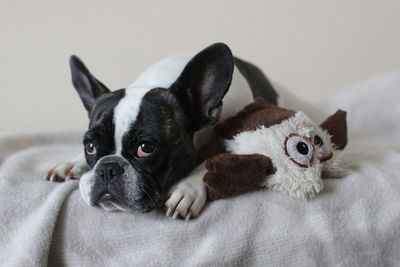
276, 148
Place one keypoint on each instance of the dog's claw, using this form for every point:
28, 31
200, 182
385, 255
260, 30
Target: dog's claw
187, 218
47, 176
52, 177
176, 213
169, 211
67, 171
69, 176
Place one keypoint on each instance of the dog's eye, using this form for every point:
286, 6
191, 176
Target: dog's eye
299, 149
90, 149
146, 149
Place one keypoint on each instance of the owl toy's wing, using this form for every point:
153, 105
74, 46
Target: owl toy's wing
230, 174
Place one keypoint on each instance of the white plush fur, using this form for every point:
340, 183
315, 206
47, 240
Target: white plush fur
297, 181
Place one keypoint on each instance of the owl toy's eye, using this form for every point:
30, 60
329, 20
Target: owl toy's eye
325, 151
146, 149
299, 149
318, 141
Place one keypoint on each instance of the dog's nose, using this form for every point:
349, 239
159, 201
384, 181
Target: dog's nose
108, 171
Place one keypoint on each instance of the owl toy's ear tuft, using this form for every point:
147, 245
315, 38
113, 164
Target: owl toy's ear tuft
336, 126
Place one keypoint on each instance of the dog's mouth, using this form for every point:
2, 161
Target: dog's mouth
109, 203
113, 201
106, 198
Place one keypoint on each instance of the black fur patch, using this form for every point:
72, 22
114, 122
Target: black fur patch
101, 126
161, 121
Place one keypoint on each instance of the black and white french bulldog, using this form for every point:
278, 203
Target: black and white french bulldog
146, 144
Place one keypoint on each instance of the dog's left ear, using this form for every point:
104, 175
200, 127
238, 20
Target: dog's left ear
336, 126
203, 83
87, 86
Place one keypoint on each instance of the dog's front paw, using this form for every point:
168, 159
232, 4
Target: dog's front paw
186, 198
67, 170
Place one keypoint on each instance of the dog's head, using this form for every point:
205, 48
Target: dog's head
140, 141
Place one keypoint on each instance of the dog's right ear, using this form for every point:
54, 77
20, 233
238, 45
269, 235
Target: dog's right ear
87, 86
203, 83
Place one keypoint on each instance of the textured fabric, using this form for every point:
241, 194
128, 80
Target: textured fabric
355, 221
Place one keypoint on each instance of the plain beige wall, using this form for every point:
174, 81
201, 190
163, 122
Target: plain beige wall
311, 46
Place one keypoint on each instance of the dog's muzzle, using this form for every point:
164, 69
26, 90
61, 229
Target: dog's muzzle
112, 184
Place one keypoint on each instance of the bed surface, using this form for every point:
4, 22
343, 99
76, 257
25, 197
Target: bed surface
355, 221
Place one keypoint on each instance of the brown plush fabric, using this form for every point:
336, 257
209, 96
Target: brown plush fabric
328, 157
251, 117
336, 125
230, 174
